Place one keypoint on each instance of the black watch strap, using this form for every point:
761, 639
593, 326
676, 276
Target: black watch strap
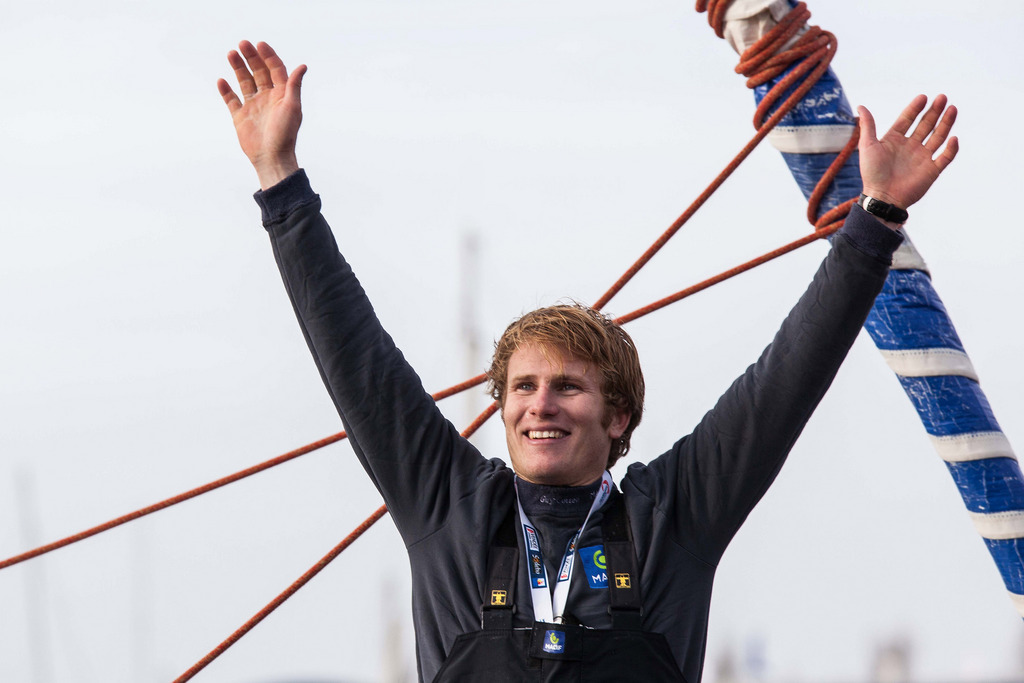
883, 210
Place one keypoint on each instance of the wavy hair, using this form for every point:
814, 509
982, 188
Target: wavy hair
587, 335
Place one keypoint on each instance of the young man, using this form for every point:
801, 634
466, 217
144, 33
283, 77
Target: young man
550, 573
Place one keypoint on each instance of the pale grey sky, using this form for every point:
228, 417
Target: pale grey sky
149, 347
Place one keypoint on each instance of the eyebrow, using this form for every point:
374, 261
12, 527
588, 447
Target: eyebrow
561, 377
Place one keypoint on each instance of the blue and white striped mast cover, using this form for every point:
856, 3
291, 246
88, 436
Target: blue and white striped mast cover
908, 322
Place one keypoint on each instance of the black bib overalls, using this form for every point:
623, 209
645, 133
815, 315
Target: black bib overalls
499, 653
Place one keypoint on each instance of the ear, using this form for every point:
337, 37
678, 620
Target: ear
619, 422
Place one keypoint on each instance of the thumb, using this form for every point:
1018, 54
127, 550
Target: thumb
867, 127
293, 88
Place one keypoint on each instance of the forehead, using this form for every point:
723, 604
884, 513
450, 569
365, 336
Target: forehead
545, 359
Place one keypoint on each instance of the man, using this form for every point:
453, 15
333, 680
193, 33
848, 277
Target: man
551, 573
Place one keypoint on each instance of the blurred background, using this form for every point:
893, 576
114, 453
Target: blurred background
476, 160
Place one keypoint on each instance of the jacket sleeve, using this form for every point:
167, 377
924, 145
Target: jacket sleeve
415, 457
709, 481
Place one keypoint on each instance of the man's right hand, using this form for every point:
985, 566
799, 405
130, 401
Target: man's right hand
267, 119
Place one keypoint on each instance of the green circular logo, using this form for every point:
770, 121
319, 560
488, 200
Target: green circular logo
599, 560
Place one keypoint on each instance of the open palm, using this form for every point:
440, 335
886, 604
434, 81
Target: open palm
268, 115
899, 169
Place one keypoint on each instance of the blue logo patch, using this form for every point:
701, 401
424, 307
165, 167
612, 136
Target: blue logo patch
554, 642
595, 566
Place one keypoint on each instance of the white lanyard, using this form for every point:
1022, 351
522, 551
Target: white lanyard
545, 607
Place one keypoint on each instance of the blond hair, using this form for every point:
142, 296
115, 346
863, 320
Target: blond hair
587, 335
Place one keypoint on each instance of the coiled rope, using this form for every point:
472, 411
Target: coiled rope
806, 59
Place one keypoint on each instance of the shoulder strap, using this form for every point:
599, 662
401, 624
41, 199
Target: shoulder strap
626, 606
499, 590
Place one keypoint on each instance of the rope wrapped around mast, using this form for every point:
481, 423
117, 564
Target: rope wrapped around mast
908, 323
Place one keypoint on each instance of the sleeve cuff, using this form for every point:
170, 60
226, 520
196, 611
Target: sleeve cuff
869, 235
278, 201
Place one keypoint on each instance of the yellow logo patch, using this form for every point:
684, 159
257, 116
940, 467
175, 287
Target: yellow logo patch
498, 597
622, 581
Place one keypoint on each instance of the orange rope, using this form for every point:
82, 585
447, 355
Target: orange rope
479, 421
725, 275
324, 561
255, 469
171, 501
276, 602
811, 53
815, 48
808, 58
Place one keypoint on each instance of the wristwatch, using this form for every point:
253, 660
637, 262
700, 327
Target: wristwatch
883, 210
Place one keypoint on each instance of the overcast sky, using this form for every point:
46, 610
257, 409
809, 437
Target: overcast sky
148, 346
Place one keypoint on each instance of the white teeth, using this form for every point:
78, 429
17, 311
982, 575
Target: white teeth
545, 435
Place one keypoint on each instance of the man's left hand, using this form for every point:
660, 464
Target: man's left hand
899, 169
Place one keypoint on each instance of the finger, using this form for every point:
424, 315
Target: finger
942, 130
294, 86
948, 154
260, 72
278, 74
927, 122
245, 81
908, 115
228, 95
867, 126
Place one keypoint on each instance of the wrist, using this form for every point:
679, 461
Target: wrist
280, 200
884, 196
271, 172
890, 213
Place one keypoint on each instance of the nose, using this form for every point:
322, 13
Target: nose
544, 403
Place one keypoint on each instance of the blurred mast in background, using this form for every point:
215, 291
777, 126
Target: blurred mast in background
37, 625
469, 319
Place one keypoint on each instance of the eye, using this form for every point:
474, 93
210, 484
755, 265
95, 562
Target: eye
569, 386
523, 386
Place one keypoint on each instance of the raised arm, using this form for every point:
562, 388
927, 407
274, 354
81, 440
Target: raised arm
712, 478
268, 115
412, 454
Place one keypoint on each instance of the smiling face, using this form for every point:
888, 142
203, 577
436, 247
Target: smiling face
558, 425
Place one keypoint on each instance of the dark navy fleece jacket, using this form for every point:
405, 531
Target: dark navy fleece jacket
447, 499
